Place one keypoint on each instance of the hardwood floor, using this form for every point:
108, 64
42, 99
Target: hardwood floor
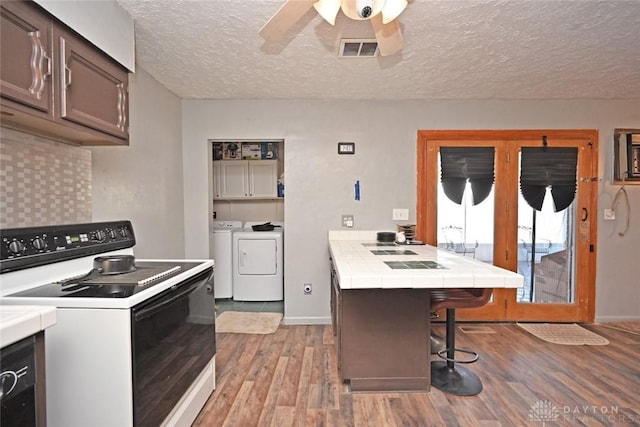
625, 326
290, 378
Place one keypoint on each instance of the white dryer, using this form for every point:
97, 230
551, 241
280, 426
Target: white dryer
221, 251
258, 264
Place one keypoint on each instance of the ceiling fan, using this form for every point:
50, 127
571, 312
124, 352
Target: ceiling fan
381, 13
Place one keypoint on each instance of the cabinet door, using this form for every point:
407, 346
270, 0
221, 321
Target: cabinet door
93, 89
234, 179
216, 180
25, 55
263, 178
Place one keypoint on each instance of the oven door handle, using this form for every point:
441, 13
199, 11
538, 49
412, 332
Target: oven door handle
160, 305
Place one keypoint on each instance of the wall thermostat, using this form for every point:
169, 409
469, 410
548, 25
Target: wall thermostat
346, 147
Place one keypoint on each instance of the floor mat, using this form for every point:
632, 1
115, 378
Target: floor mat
239, 322
564, 333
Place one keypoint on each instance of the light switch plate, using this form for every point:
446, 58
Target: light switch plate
401, 214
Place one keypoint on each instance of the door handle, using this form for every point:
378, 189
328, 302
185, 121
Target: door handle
67, 75
40, 65
122, 103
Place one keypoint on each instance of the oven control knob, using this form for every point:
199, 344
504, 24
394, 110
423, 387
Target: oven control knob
113, 234
100, 235
38, 243
16, 247
124, 232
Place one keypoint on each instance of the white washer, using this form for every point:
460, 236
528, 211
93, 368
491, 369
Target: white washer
221, 252
258, 261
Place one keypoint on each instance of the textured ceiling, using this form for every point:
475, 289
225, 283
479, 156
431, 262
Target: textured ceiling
470, 49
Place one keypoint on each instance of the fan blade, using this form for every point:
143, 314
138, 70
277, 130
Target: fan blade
288, 14
389, 36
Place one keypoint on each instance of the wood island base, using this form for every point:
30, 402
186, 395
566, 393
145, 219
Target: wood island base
382, 338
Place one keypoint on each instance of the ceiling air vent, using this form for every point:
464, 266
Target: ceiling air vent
358, 48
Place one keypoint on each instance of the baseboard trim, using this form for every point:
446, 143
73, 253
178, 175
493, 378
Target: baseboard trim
605, 319
289, 320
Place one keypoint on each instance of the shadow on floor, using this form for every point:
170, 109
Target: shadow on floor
223, 305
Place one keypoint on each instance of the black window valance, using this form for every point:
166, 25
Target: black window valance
541, 167
459, 164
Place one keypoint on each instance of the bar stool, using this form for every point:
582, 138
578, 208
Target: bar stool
445, 375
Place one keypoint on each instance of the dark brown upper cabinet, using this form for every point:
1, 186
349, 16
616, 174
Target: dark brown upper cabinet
26, 56
92, 87
55, 83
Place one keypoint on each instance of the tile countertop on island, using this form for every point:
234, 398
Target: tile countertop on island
358, 267
21, 321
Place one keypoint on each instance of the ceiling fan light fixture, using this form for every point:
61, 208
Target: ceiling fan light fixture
354, 9
392, 9
328, 9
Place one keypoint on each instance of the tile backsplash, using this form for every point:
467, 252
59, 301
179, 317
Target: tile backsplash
42, 182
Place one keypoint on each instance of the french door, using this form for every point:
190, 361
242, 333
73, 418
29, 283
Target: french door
529, 207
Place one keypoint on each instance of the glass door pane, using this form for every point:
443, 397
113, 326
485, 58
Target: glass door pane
466, 229
546, 252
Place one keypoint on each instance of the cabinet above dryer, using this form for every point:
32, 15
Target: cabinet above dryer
240, 179
247, 169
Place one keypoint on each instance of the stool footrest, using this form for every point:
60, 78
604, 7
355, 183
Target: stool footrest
443, 355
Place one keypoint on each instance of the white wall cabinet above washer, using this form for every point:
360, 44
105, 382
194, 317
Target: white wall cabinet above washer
239, 179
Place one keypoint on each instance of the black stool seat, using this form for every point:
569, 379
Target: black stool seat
445, 375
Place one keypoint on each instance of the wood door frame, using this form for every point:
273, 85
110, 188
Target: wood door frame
426, 213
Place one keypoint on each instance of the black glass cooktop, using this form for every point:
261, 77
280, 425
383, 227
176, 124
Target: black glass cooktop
393, 252
96, 285
414, 265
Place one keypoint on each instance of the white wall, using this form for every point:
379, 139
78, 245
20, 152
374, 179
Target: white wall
319, 183
143, 182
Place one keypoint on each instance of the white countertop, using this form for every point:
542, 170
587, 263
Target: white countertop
358, 268
21, 321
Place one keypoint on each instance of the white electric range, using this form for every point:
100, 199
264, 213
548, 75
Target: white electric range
134, 347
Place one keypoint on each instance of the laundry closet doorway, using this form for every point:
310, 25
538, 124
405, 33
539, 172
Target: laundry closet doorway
246, 188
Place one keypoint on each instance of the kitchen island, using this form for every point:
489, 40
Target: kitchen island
380, 306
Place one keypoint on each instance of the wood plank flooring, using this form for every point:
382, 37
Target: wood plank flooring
290, 378
625, 326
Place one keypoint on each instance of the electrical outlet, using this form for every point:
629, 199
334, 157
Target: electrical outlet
307, 288
347, 221
609, 215
401, 214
